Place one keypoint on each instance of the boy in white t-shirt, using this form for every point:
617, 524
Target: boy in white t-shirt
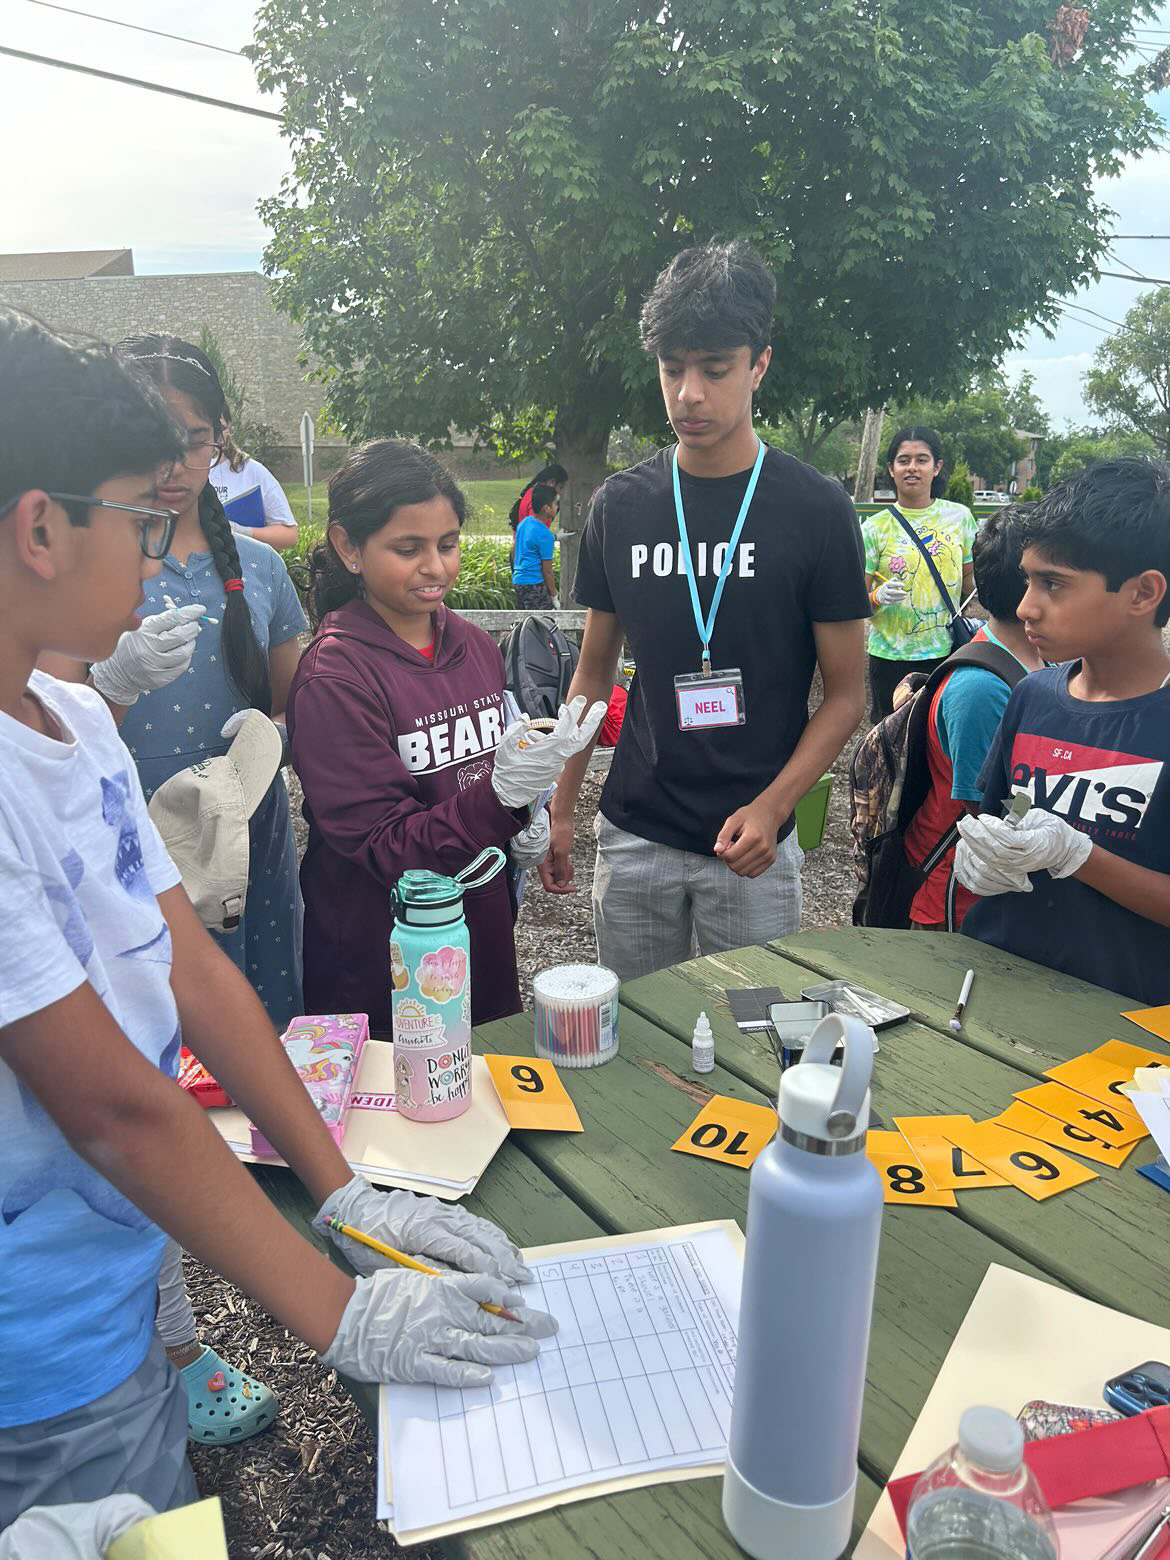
104, 965
253, 499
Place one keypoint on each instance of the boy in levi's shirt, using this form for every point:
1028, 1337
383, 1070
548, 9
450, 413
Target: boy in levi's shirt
397, 731
1089, 741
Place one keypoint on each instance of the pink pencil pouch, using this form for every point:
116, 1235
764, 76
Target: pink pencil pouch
324, 1048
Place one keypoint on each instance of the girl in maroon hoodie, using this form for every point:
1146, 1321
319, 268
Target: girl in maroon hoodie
394, 716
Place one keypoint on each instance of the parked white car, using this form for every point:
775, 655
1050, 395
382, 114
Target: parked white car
989, 496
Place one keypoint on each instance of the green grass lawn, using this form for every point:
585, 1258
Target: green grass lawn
488, 505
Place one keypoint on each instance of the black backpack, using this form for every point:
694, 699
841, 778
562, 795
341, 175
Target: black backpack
889, 779
539, 662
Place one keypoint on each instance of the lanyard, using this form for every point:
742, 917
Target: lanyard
707, 628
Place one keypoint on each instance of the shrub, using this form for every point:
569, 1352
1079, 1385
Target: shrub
960, 488
1031, 495
484, 583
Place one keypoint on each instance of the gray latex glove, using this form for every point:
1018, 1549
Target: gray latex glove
402, 1326
150, 656
420, 1226
890, 594
528, 761
81, 1531
530, 846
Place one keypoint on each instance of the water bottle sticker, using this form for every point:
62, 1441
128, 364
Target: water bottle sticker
730, 1131
448, 1075
415, 1026
442, 974
399, 974
532, 1094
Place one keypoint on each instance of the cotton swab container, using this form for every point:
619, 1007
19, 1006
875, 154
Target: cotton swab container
576, 1014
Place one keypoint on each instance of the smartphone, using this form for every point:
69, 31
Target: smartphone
1145, 1386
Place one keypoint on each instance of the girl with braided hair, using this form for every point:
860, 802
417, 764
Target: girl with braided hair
244, 659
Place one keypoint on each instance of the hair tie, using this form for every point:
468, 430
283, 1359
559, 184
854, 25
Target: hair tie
233, 584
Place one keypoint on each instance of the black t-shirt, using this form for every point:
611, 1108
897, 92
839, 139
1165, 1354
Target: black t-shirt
799, 561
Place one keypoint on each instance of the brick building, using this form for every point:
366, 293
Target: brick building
96, 293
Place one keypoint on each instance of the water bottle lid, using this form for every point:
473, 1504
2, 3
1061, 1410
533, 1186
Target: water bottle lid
825, 1109
992, 1439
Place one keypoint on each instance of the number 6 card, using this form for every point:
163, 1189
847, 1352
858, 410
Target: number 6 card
532, 1094
1026, 1162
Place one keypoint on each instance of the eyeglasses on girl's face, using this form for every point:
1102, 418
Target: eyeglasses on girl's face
156, 527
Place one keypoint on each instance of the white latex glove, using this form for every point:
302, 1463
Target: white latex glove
402, 1326
150, 656
530, 846
975, 873
1040, 842
420, 1226
527, 761
80, 1531
889, 594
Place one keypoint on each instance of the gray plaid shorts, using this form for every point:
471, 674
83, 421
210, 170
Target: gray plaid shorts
132, 1440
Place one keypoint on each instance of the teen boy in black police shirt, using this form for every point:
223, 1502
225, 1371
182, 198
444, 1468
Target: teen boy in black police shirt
695, 834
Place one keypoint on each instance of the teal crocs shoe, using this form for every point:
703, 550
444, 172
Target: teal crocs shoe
223, 1404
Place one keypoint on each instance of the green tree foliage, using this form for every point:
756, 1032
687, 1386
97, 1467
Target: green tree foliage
832, 450
1129, 382
249, 433
1071, 452
483, 190
976, 428
960, 488
1025, 408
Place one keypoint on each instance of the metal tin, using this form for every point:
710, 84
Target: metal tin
853, 1001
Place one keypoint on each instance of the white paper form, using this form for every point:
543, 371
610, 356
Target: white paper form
638, 1379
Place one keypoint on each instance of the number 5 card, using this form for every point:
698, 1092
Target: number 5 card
532, 1094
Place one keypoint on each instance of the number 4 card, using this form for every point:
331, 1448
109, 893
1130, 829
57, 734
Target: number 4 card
532, 1094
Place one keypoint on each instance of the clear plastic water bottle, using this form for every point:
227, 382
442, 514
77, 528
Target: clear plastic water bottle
979, 1500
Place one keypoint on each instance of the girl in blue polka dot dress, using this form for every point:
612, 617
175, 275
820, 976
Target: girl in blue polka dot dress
244, 659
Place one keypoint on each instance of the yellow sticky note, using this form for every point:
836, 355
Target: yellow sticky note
1093, 1116
1020, 1117
532, 1094
1155, 1019
730, 1131
904, 1180
948, 1166
1035, 1168
175, 1535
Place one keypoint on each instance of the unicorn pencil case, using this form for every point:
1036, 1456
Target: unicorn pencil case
324, 1048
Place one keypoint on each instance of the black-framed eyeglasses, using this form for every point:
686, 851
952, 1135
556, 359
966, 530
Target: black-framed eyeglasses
156, 527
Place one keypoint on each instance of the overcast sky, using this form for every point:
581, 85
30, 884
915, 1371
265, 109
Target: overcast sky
105, 166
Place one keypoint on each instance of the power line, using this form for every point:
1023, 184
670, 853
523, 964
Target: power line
113, 21
1120, 276
1165, 236
133, 81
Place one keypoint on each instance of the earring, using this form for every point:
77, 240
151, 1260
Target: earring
354, 567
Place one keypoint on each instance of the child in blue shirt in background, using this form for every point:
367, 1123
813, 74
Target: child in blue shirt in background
532, 570
1083, 883
104, 968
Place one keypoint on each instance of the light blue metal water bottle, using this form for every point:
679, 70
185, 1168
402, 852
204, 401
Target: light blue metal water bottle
814, 1218
430, 970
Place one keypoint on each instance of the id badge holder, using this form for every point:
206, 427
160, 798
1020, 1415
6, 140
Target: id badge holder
706, 701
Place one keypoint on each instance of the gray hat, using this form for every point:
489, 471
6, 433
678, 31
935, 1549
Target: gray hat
202, 814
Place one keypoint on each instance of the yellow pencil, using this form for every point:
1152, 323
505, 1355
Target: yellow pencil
885, 578
410, 1262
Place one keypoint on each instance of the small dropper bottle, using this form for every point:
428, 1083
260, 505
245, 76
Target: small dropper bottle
703, 1046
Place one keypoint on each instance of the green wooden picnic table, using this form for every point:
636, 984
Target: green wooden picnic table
1102, 1239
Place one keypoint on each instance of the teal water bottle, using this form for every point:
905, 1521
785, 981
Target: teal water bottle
430, 969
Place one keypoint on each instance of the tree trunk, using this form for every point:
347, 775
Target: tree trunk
581, 449
867, 455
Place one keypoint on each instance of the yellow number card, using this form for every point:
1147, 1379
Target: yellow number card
1035, 1168
532, 1094
1098, 1119
904, 1180
949, 1167
1019, 1117
730, 1131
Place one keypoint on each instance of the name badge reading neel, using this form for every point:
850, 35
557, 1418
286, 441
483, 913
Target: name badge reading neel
707, 700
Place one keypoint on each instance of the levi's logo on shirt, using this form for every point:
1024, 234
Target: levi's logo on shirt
447, 738
665, 558
1093, 788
